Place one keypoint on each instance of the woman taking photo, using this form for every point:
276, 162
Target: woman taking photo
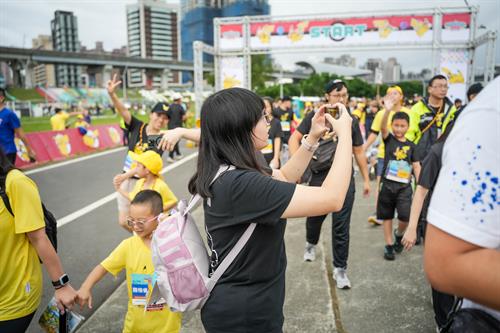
23, 243
250, 294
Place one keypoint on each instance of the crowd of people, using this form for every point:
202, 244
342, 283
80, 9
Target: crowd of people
283, 167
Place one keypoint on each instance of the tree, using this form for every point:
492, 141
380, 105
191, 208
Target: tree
262, 68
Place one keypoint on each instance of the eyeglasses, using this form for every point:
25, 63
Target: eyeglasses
267, 118
139, 222
339, 96
440, 86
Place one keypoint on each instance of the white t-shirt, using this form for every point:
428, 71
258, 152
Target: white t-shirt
466, 199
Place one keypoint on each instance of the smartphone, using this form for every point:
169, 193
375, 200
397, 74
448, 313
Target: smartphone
333, 111
154, 141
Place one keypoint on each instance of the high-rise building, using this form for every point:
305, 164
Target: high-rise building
153, 32
43, 75
197, 20
344, 60
392, 71
64, 28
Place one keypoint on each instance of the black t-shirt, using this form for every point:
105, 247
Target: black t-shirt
249, 296
285, 117
175, 113
398, 160
135, 138
274, 132
357, 138
431, 165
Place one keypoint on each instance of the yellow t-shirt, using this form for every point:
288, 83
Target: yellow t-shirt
168, 197
58, 121
377, 127
20, 271
360, 114
135, 257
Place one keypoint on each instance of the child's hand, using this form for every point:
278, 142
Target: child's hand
84, 296
409, 239
117, 181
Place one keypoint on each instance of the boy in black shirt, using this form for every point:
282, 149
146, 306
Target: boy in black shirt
395, 190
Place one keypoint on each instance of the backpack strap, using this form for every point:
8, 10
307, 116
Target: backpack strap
4, 196
195, 198
228, 260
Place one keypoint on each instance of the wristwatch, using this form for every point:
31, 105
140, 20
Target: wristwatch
307, 145
64, 279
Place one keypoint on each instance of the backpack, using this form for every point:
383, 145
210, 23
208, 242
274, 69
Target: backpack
50, 220
322, 158
182, 262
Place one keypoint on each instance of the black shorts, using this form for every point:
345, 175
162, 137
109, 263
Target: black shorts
394, 196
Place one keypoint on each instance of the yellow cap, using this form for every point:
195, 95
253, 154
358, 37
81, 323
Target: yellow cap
397, 88
79, 116
150, 159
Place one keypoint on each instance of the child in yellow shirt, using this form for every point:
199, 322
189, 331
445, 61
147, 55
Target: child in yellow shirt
149, 165
134, 255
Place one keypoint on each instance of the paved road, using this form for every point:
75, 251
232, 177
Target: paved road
85, 241
386, 296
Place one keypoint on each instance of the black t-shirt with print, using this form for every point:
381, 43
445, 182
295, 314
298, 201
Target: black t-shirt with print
175, 113
249, 296
397, 151
285, 116
135, 137
274, 132
357, 138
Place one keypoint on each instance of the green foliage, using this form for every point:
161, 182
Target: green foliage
262, 67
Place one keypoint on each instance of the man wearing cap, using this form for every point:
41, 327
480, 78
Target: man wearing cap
335, 92
176, 116
397, 95
137, 143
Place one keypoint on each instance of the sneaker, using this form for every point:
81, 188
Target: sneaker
340, 276
389, 252
398, 246
310, 252
170, 160
373, 220
178, 157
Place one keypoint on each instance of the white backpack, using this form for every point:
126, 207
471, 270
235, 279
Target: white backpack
181, 259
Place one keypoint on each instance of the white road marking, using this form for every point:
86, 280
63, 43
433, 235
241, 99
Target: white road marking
76, 160
87, 209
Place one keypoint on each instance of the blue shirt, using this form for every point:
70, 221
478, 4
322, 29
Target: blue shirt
8, 123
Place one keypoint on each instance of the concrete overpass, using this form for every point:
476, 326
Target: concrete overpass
24, 59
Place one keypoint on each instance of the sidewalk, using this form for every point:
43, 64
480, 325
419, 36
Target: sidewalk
385, 296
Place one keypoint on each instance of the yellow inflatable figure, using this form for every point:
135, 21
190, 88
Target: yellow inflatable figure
296, 34
384, 28
62, 142
231, 81
421, 27
91, 139
453, 77
22, 151
264, 33
114, 135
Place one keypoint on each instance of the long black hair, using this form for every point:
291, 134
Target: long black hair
5, 165
227, 120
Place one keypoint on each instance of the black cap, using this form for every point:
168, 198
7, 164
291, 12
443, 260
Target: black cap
336, 85
286, 98
160, 108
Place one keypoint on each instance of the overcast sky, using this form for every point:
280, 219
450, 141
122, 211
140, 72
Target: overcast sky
105, 20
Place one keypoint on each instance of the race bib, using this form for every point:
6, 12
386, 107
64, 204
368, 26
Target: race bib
129, 163
398, 171
285, 126
269, 148
141, 285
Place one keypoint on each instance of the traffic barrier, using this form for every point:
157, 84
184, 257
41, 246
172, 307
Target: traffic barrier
59, 145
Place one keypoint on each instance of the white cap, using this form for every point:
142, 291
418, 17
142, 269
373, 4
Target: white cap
176, 96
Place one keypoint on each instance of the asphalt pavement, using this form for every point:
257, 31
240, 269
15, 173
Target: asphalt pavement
385, 296
86, 240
